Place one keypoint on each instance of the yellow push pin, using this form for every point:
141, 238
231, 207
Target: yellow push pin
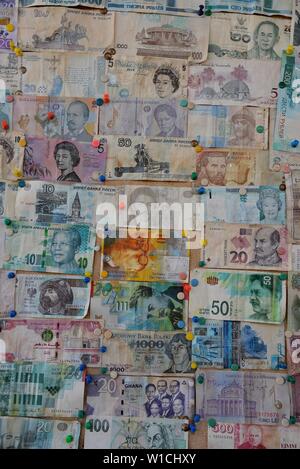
18, 51
12, 45
194, 366
189, 336
88, 274
22, 142
10, 27
198, 148
289, 50
104, 274
203, 242
17, 172
184, 234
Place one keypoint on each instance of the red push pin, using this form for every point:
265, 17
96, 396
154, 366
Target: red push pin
187, 288
95, 143
4, 124
50, 115
182, 275
106, 99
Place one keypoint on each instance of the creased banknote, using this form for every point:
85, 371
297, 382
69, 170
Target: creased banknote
293, 301
52, 296
150, 353
237, 36
245, 397
149, 158
73, 119
222, 344
134, 433
54, 159
288, 107
229, 126
62, 74
26, 433
7, 293
150, 259
139, 306
51, 340
43, 202
263, 205
49, 248
10, 74
64, 29
150, 118
246, 246
11, 154
223, 82
8, 15
67, 3
293, 205
162, 36
266, 7
40, 390
239, 436
129, 396
296, 28
293, 352
174, 7
238, 296
146, 77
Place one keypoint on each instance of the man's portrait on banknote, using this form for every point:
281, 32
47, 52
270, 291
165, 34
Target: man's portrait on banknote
212, 168
77, 116
265, 293
66, 155
179, 351
266, 244
265, 36
159, 436
166, 81
254, 438
165, 116
10, 441
242, 128
55, 297
65, 244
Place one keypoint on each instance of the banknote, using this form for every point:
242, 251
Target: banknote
280, 161
146, 77
288, 107
239, 296
229, 126
293, 204
296, 28
9, 74
263, 205
246, 246
266, 7
51, 340
49, 248
8, 15
73, 119
11, 154
61, 74
42, 202
239, 436
293, 301
134, 433
40, 390
244, 397
8, 195
149, 353
26, 433
129, 396
150, 118
145, 259
220, 82
139, 306
174, 7
222, 344
52, 296
149, 158
7, 293
53, 159
242, 37
162, 36
64, 29
219, 167
68, 3
5, 117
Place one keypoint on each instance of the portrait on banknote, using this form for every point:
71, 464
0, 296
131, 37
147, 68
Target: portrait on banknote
266, 244
55, 297
242, 128
165, 116
64, 246
67, 157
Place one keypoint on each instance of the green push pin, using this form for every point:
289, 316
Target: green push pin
202, 264
235, 367
212, 422
260, 129
88, 425
202, 321
104, 371
283, 276
7, 221
208, 12
292, 420
69, 439
291, 379
107, 287
184, 102
200, 379
80, 414
281, 84
194, 176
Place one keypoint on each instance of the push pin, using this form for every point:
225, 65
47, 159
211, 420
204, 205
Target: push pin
9, 98
192, 428
12, 314
194, 282
180, 324
95, 143
197, 418
99, 102
11, 275
212, 422
195, 319
201, 190
201, 10
22, 142
69, 439
82, 366
194, 176
289, 50
50, 115
294, 143
88, 379
208, 12
102, 178
4, 124
183, 102
87, 279
189, 336
10, 27
106, 99
18, 51
17, 172
200, 379
194, 366
21, 183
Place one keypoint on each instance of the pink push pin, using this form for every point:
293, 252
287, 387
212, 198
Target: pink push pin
95, 143
122, 205
182, 275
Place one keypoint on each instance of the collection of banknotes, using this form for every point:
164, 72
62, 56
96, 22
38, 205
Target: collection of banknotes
150, 224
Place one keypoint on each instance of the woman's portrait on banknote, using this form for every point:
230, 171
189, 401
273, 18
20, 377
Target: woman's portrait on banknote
66, 155
269, 205
166, 81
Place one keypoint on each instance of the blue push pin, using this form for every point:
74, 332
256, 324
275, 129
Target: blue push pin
87, 279
88, 379
195, 319
197, 418
103, 349
102, 178
82, 366
21, 183
181, 324
99, 102
12, 314
201, 190
11, 275
192, 428
294, 143
194, 282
